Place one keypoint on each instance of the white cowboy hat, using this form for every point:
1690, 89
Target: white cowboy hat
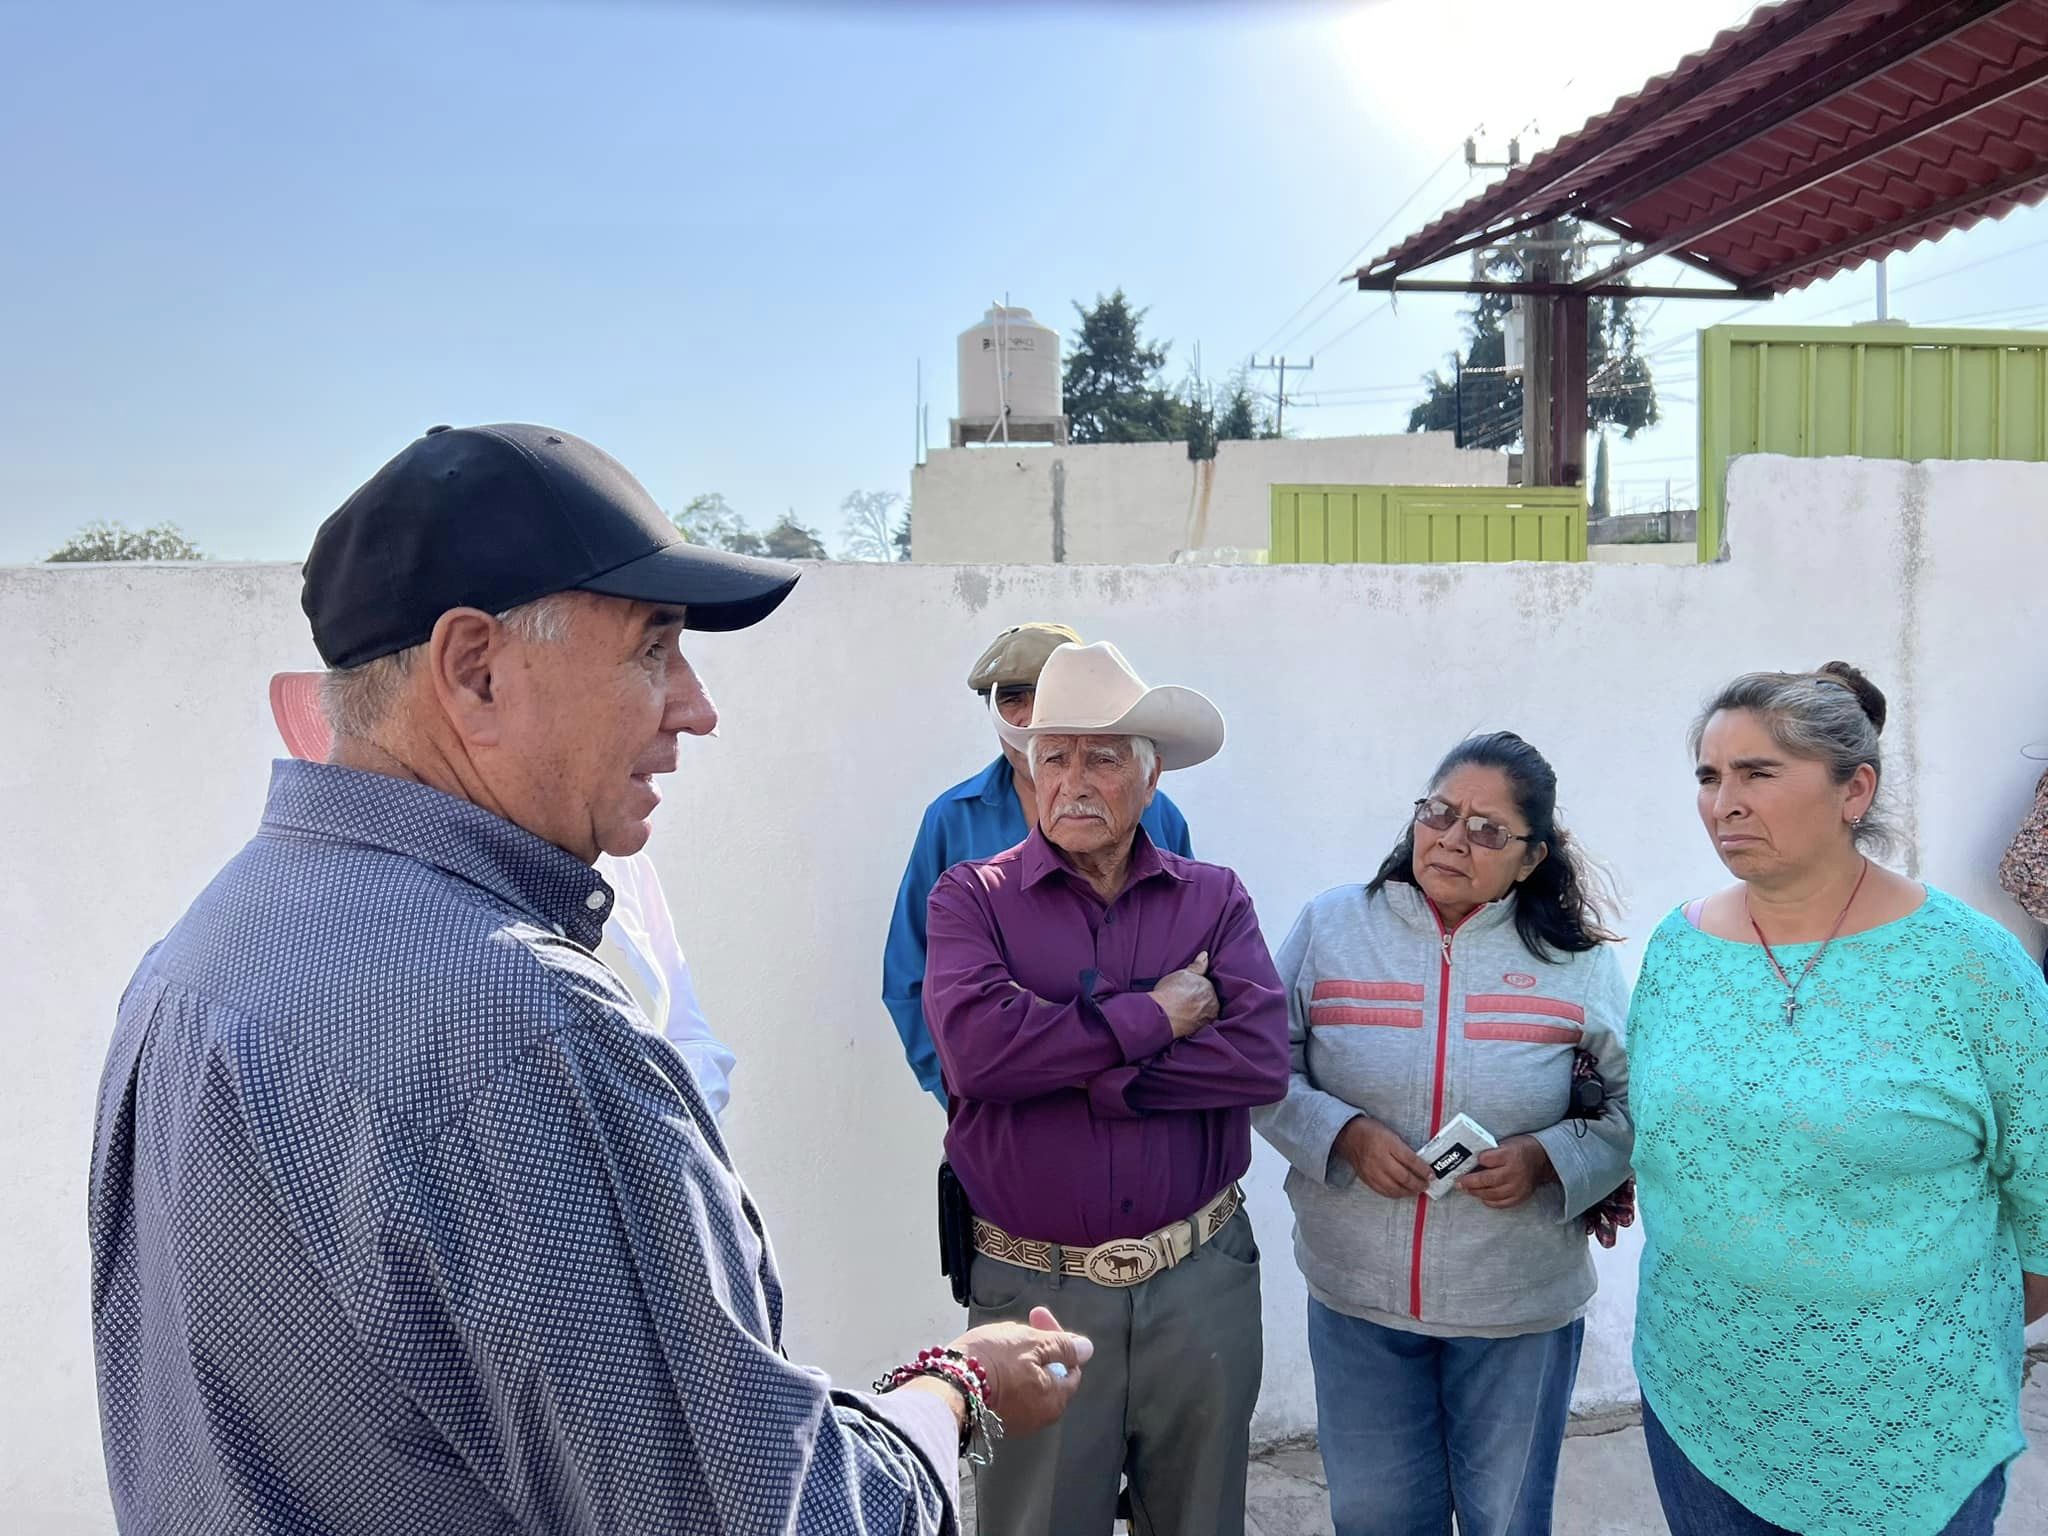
1090, 690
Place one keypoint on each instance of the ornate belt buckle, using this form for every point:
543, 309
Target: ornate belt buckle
1124, 1262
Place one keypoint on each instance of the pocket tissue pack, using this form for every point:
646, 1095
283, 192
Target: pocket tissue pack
1452, 1152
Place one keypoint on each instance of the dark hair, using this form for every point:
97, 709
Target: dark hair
1833, 715
1556, 908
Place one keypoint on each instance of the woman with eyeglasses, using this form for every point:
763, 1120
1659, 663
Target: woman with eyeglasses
1841, 1094
1471, 976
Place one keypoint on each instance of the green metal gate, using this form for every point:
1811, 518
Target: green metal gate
1866, 391
1422, 524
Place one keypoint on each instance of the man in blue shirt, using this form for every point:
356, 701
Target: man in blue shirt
978, 819
404, 1218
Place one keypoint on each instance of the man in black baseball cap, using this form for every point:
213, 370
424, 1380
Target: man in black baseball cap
522, 595
494, 517
403, 1217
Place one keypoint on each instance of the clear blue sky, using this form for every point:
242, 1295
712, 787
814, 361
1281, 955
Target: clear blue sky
252, 249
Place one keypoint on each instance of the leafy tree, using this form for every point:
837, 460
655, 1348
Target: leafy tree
872, 529
1619, 389
113, 541
710, 520
1603, 488
1112, 388
791, 540
901, 538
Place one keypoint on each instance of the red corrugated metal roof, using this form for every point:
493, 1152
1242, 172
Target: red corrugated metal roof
1819, 135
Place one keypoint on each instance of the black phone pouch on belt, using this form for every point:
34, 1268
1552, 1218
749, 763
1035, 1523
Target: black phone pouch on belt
956, 1233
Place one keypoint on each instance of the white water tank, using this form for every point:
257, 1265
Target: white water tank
1009, 359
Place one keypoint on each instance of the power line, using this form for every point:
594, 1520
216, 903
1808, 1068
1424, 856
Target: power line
1314, 320
1858, 303
1360, 392
1988, 314
1371, 314
1351, 263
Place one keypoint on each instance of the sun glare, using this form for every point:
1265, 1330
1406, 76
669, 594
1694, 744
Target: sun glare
1430, 72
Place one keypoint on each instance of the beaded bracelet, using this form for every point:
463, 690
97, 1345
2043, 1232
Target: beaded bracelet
965, 1375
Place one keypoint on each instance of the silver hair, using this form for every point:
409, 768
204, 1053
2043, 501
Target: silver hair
1143, 749
1833, 717
357, 700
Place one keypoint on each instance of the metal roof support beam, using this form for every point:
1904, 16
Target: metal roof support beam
1478, 242
1825, 170
1568, 391
2005, 186
1481, 241
1399, 286
1860, 56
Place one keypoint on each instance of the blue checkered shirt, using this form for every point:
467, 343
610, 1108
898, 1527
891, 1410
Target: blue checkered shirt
405, 1221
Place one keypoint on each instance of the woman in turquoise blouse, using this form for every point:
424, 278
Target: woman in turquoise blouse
1840, 1081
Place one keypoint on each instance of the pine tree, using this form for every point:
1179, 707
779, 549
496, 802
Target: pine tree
1241, 418
1112, 374
791, 540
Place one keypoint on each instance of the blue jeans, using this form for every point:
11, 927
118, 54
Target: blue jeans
1695, 1505
1414, 1428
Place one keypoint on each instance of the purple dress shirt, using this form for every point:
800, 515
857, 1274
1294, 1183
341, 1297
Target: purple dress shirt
1074, 1115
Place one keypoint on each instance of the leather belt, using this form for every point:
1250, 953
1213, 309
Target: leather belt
1122, 1261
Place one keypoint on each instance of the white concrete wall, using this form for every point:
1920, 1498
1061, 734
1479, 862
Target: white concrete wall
1643, 554
1142, 503
135, 737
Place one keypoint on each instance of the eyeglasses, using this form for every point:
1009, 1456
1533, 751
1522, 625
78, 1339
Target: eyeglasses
1438, 817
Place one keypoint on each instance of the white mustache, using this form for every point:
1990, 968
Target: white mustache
1066, 808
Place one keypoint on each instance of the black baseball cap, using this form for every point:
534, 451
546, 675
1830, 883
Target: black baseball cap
493, 517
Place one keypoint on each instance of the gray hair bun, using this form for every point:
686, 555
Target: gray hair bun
1868, 694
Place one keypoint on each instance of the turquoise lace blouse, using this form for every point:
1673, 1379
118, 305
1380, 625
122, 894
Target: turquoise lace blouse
1836, 1213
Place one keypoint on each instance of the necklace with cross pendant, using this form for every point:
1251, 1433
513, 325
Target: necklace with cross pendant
1792, 987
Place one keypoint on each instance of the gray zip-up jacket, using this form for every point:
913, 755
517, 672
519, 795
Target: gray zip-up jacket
1392, 1017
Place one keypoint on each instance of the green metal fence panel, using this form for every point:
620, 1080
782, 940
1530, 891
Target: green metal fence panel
1425, 524
1865, 391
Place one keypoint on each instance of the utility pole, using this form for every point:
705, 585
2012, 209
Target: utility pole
1282, 365
1539, 349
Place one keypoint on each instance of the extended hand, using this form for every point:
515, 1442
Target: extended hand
1025, 1395
1385, 1164
1188, 998
1509, 1173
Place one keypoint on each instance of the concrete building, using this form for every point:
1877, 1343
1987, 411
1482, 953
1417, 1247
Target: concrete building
1146, 503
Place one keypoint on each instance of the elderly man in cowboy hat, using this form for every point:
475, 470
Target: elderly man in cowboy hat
978, 817
1107, 1017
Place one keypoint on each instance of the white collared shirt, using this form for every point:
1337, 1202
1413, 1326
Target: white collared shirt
640, 947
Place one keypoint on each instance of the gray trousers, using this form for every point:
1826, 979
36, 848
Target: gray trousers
1166, 1400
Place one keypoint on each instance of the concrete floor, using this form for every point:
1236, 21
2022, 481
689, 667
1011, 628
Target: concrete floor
1604, 1487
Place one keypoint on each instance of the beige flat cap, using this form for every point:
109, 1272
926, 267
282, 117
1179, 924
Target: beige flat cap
1018, 655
